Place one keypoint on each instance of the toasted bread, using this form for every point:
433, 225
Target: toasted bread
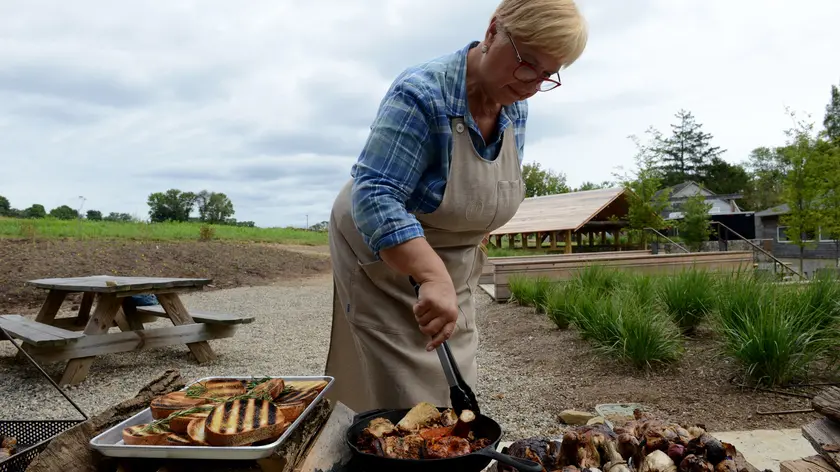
317, 385
195, 431
291, 411
272, 387
143, 435
176, 439
165, 405
297, 396
217, 389
240, 422
179, 424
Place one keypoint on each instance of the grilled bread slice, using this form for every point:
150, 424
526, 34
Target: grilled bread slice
145, 435
291, 411
217, 389
179, 424
317, 385
174, 402
297, 396
272, 387
244, 421
176, 439
195, 431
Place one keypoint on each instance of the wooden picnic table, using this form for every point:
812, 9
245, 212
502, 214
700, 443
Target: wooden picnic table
79, 339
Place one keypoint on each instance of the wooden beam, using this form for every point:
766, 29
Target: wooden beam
92, 345
568, 242
553, 238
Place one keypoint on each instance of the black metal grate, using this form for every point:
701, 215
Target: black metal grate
32, 438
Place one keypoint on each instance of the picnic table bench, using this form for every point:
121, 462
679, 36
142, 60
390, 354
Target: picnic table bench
78, 340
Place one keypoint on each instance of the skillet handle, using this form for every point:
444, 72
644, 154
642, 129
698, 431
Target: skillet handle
522, 465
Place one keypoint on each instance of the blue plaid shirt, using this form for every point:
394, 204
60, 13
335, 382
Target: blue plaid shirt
405, 162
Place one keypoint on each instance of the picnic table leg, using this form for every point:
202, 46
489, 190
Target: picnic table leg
179, 315
47, 313
128, 315
102, 319
84, 308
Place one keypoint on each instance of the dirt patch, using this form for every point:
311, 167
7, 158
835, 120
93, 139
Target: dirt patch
229, 264
565, 372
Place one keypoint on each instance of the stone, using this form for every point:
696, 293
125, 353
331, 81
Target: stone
596, 420
574, 417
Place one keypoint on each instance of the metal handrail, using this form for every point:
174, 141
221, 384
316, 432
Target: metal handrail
668, 239
756, 246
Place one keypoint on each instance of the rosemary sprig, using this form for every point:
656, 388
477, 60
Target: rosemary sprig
253, 383
162, 425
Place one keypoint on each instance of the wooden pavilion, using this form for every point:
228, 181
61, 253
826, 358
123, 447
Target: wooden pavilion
587, 218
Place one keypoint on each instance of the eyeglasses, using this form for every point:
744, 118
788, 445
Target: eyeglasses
525, 72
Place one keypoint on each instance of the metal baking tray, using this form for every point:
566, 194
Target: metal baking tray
110, 442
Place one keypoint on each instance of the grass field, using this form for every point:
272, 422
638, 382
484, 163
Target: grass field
55, 228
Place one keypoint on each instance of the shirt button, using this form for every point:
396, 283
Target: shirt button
459, 127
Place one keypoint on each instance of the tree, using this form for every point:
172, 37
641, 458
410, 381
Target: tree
802, 184
767, 172
214, 207
695, 227
172, 205
593, 186
646, 203
828, 206
687, 153
540, 182
64, 212
831, 122
35, 211
113, 216
5, 206
94, 215
724, 178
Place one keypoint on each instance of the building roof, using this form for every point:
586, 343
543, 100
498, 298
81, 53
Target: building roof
773, 211
676, 188
565, 211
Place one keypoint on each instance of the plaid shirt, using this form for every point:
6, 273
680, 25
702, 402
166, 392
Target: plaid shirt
404, 164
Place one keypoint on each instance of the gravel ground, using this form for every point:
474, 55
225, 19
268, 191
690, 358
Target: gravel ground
264, 347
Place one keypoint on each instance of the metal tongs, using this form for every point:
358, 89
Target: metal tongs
460, 394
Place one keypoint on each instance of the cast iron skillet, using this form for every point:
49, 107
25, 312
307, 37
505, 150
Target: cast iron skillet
483, 427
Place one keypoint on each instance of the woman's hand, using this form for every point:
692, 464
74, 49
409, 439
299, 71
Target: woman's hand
436, 311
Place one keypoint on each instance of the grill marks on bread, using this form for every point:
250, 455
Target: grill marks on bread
241, 422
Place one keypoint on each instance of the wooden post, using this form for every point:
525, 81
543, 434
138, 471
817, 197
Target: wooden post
511, 244
553, 236
498, 240
568, 241
591, 239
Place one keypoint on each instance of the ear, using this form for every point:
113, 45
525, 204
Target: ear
492, 31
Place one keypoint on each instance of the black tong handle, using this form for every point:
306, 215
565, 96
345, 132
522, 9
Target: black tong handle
460, 394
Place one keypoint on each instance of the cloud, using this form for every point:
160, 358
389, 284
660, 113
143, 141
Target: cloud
271, 103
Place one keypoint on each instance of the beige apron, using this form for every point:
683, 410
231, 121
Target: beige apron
377, 353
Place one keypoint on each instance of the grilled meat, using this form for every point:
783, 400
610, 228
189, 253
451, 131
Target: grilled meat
447, 446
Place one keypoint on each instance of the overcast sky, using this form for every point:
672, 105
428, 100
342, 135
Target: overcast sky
270, 101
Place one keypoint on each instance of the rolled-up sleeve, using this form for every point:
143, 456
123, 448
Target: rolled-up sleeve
394, 157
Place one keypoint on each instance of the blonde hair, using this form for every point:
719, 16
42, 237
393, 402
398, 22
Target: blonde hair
555, 27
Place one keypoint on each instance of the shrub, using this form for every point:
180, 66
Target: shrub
529, 291
776, 335
206, 233
629, 327
688, 297
600, 278
647, 336
560, 304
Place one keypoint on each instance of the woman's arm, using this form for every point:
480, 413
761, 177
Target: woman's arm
398, 150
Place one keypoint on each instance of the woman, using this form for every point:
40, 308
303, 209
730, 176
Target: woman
440, 170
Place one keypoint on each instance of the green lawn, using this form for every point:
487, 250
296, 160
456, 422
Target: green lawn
54, 228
